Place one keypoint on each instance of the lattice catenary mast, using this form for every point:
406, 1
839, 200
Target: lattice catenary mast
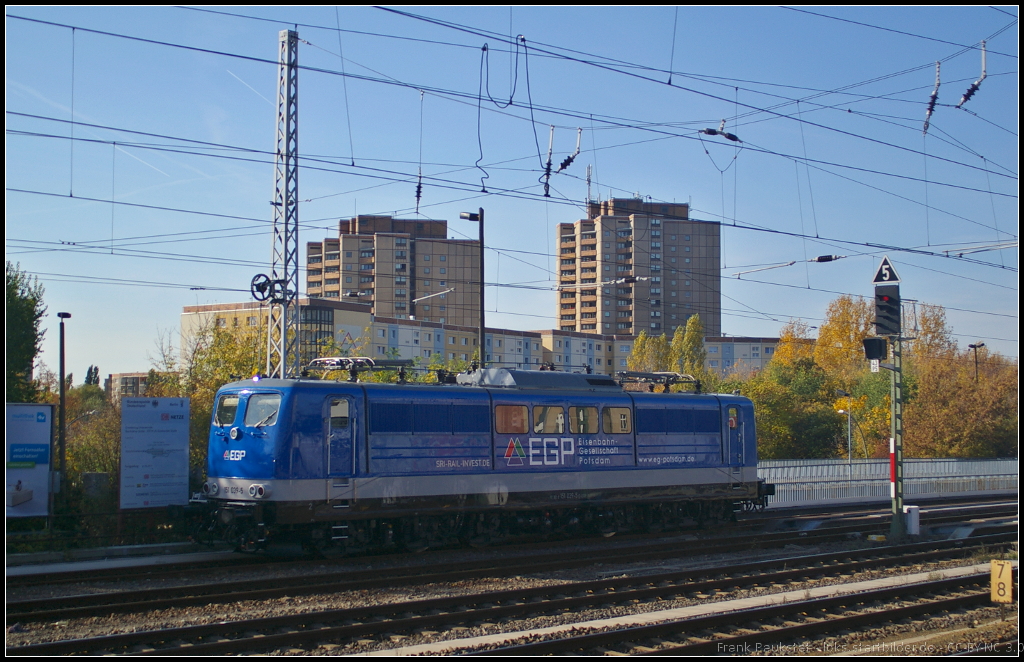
282, 341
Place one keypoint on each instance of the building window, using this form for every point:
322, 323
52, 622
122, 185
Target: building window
426, 270
443, 258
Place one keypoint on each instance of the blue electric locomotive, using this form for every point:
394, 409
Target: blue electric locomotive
356, 466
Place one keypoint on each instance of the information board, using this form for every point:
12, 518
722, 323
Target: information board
28, 437
154, 452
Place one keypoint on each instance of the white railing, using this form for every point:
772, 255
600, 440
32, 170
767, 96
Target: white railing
829, 481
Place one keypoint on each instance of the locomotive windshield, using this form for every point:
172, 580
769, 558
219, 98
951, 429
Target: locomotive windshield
226, 409
262, 409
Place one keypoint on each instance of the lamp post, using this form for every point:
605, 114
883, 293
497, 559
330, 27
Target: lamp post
479, 218
849, 431
61, 428
849, 424
975, 348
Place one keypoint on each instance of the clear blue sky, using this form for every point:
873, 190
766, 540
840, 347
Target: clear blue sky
845, 171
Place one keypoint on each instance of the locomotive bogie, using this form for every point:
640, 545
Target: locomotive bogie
362, 466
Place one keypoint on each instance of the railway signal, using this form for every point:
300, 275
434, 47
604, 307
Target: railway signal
888, 310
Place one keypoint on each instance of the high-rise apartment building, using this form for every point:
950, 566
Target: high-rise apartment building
389, 263
635, 266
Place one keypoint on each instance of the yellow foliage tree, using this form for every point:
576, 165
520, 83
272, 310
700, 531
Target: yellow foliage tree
795, 343
934, 338
840, 347
954, 414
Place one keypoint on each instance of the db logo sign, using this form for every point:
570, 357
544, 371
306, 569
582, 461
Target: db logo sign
234, 455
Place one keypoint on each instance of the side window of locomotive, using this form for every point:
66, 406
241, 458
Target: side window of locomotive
262, 409
548, 420
583, 420
617, 420
226, 409
510, 419
339, 414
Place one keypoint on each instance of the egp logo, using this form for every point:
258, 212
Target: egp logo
550, 450
234, 455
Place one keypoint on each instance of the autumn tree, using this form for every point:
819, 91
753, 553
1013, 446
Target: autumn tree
933, 336
639, 355
693, 353
793, 410
952, 414
795, 343
839, 350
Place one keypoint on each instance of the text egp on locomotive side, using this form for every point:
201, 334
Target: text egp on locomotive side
358, 466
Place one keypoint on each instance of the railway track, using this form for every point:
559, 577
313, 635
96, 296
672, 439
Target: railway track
101, 604
347, 625
779, 627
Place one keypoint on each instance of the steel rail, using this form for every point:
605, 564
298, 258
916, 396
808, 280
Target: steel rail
367, 621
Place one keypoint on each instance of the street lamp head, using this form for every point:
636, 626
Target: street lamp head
841, 393
64, 316
977, 345
469, 216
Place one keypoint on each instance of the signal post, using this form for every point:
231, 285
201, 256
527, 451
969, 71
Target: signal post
888, 323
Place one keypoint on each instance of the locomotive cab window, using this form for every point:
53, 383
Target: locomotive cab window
510, 419
226, 409
339, 414
583, 420
548, 420
262, 409
617, 420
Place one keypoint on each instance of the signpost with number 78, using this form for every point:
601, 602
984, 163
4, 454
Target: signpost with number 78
1002, 582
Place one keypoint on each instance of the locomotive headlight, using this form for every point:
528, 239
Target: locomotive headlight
259, 491
235, 433
211, 488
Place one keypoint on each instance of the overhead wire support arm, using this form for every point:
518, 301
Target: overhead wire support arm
617, 281
720, 131
820, 258
435, 294
976, 84
569, 159
547, 166
931, 100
